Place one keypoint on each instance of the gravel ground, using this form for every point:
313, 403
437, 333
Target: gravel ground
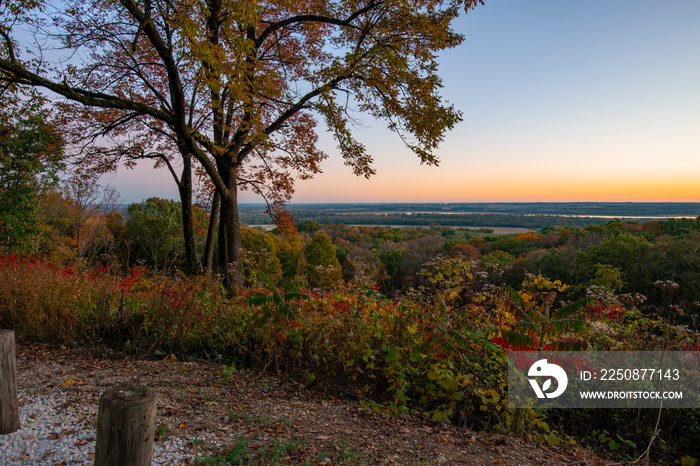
204, 412
58, 431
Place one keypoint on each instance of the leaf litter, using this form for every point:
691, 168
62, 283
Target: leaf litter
245, 417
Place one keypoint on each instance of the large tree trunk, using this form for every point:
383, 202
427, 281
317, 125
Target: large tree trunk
223, 244
185, 189
211, 235
233, 271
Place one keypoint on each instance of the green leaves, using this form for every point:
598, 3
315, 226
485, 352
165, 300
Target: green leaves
31, 154
538, 326
291, 291
572, 308
155, 228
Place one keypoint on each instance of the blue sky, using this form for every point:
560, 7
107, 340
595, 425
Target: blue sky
562, 101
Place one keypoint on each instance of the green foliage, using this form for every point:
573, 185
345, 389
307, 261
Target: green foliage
236, 453
162, 432
291, 291
227, 373
392, 260
499, 258
309, 226
609, 277
622, 251
321, 264
260, 257
31, 154
269, 452
155, 227
615, 442
538, 324
291, 258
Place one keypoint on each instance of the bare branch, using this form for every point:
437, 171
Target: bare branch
316, 19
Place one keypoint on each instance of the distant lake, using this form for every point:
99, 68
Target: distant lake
496, 230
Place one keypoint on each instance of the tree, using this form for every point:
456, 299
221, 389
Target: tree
260, 257
91, 205
321, 264
291, 257
54, 214
392, 259
465, 251
238, 85
154, 225
31, 154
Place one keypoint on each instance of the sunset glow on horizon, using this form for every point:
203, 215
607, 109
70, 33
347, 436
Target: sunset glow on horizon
516, 190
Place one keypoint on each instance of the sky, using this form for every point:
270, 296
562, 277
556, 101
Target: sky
561, 101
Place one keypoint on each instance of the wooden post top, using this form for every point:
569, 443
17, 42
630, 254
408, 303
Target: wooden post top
128, 395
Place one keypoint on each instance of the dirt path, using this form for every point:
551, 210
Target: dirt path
245, 418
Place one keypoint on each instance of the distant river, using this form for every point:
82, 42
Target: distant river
496, 230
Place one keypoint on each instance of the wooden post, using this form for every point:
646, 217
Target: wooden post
9, 407
126, 423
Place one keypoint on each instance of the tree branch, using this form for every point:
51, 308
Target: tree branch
291, 111
10, 45
316, 19
14, 72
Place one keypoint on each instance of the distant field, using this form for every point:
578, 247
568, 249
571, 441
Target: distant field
521, 216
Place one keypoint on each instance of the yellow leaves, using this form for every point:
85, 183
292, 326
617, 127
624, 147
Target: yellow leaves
70, 382
558, 284
542, 283
493, 395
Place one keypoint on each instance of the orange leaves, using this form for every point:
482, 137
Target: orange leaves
284, 220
